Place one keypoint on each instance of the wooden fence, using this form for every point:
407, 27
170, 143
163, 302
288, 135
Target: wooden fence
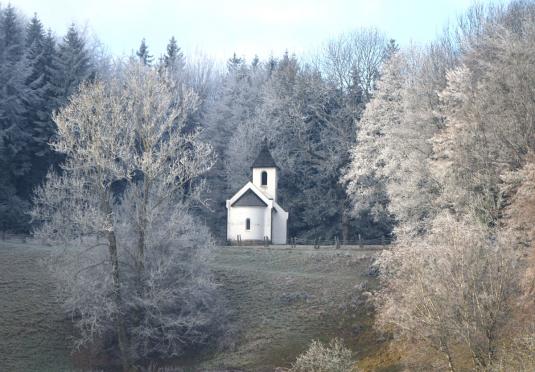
338, 243
317, 243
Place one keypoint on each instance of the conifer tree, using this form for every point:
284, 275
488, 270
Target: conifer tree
143, 53
234, 63
75, 63
14, 133
174, 58
51, 70
12, 37
42, 64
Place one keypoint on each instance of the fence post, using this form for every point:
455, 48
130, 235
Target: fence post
238, 240
266, 241
337, 242
360, 241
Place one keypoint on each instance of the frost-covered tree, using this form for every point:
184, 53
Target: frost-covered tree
309, 122
355, 59
396, 137
131, 262
366, 177
297, 106
458, 162
231, 114
453, 291
312, 134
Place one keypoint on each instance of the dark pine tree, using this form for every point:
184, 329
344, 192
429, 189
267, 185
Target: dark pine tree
234, 63
42, 63
51, 70
75, 64
143, 53
15, 133
174, 58
391, 49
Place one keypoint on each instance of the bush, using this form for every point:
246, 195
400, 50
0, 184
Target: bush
334, 357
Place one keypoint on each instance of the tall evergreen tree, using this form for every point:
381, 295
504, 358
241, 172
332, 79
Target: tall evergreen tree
35, 78
391, 48
41, 60
51, 66
174, 58
143, 53
12, 36
234, 63
34, 31
14, 132
75, 62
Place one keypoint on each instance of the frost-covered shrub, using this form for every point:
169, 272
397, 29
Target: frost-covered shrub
334, 357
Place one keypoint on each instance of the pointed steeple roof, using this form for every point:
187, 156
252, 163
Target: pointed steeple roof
264, 158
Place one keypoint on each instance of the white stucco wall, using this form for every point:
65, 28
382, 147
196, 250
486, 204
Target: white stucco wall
270, 190
236, 217
262, 217
279, 227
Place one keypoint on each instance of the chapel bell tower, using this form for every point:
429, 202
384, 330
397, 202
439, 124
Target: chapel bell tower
265, 175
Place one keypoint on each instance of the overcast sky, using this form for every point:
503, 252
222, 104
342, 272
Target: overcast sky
247, 27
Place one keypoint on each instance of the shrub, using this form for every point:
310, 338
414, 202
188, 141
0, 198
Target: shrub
334, 357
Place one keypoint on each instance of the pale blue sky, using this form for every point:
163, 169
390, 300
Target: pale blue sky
247, 27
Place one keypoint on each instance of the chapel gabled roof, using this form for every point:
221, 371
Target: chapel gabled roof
249, 199
264, 158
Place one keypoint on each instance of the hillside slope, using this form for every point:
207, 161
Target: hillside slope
280, 299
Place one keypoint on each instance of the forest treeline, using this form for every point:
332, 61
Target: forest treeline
307, 110
37, 75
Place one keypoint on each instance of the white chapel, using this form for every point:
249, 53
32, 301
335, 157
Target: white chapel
253, 213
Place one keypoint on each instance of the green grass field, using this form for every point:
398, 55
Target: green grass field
281, 298
33, 333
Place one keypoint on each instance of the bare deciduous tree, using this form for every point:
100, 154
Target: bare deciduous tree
354, 59
453, 290
130, 258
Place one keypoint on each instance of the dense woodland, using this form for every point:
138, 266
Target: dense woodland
445, 146
37, 75
433, 145
306, 110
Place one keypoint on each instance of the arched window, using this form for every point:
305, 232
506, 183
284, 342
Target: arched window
247, 224
264, 178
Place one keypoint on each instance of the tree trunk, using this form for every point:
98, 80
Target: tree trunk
446, 350
120, 325
140, 248
118, 320
142, 227
345, 225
